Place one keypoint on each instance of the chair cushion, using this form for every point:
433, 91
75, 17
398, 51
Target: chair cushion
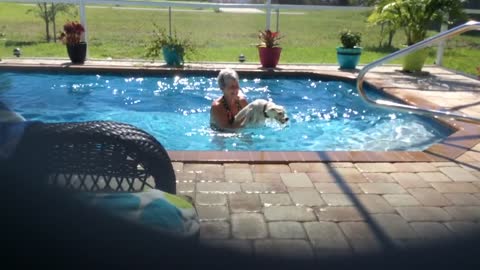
12, 126
9, 116
160, 210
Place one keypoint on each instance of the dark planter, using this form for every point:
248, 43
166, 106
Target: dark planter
348, 58
172, 56
77, 52
269, 57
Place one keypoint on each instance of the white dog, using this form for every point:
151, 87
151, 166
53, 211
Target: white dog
257, 111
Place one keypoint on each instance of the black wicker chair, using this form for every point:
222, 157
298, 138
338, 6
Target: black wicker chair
95, 156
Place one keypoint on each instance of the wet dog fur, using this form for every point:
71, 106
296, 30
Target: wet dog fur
256, 112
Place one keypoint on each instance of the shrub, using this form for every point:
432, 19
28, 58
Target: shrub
350, 39
160, 39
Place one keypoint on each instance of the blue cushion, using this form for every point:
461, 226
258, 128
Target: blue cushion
160, 210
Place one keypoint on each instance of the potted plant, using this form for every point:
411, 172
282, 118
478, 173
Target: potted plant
414, 17
348, 55
269, 49
72, 37
173, 48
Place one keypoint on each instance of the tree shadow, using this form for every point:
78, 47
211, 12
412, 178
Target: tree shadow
382, 49
427, 81
9, 43
414, 73
459, 107
467, 164
384, 240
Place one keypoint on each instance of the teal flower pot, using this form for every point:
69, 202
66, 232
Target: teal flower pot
348, 58
173, 56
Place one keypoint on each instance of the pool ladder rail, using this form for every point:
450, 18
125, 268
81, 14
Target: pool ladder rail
468, 26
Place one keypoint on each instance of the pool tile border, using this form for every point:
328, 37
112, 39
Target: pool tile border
464, 138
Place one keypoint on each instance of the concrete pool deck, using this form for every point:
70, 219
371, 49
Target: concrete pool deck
316, 209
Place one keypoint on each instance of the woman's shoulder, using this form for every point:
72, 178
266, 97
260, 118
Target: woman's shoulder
243, 100
216, 102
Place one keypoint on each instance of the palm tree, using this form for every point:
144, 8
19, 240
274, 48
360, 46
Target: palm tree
414, 16
387, 21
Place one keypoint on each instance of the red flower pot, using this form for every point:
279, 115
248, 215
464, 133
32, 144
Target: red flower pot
269, 56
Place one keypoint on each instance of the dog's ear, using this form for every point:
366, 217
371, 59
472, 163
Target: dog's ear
270, 106
277, 109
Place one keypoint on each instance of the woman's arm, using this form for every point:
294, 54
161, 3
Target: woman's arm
218, 119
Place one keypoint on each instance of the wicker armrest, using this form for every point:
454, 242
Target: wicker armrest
97, 156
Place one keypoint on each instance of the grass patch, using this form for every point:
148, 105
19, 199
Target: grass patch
310, 37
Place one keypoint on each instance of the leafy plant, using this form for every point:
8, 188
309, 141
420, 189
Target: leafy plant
269, 39
48, 13
72, 33
160, 39
414, 16
350, 39
388, 26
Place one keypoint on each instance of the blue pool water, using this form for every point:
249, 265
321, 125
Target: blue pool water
324, 114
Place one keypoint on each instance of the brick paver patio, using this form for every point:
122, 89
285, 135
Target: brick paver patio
334, 214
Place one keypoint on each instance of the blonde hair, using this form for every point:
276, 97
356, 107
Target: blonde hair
225, 76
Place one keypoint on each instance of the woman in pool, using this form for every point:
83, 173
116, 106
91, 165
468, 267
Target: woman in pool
224, 108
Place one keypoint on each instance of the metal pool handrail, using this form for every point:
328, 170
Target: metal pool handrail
471, 25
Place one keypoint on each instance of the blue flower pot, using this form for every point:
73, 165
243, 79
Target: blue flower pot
172, 56
348, 58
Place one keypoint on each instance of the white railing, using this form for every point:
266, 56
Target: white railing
268, 7
469, 26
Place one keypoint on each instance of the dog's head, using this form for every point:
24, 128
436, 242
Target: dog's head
276, 112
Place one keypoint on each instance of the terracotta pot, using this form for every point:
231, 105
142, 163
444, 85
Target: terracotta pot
77, 52
269, 56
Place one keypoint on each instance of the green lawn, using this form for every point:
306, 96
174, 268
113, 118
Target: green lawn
310, 37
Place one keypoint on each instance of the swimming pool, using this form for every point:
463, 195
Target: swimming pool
325, 115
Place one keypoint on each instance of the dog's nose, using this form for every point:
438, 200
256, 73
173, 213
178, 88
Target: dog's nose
286, 119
